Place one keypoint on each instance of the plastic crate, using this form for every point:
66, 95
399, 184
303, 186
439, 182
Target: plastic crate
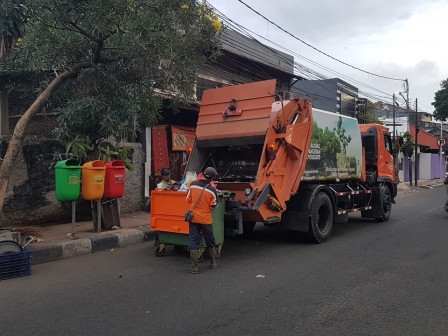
14, 265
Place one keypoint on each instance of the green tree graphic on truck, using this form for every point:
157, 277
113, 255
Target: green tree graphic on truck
333, 153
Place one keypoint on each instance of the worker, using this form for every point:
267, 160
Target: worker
167, 183
202, 197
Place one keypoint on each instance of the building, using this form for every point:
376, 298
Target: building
430, 162
333, 95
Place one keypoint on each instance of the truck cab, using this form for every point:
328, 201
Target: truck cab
379, 156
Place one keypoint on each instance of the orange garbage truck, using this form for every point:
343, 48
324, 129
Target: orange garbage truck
287, 163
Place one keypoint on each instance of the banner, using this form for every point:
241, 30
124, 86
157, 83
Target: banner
160, 148
182, 137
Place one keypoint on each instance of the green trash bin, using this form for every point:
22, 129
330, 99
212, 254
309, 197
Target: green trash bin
68, 180
178, 239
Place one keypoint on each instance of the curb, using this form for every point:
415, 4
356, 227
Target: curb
432, 186
406, 188
47, 252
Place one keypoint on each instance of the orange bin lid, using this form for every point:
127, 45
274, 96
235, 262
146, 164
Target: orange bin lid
97, 164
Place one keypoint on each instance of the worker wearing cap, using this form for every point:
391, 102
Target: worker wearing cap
201, 225
167, 183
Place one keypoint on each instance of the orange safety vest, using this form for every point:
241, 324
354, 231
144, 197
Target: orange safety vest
209, 198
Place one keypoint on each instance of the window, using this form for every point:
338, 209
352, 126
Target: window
205, 84
388, 142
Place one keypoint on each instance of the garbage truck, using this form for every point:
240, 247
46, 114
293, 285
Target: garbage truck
289, 164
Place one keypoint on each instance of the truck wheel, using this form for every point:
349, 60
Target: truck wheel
385, 204
321, 221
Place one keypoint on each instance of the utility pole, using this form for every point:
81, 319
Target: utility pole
393, 116
394, 142
407, 103
440, 152
408, 128
416, 141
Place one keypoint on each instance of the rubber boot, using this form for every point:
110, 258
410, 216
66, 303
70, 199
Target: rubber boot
212, 256
194, 255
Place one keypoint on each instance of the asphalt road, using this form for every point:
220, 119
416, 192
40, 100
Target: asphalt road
369, 279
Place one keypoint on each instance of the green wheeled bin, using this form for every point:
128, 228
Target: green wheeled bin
172, 229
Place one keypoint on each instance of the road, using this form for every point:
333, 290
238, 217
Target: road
369, 279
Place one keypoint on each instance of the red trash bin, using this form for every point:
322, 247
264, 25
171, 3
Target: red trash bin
115, 178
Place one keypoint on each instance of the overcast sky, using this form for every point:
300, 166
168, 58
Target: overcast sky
393, 38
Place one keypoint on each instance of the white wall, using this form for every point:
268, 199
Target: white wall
425, 166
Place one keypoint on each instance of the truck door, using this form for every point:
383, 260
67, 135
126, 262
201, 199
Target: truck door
386, 164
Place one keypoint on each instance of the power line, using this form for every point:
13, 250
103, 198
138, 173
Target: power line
301, 69
320, 51
312, 74
428, 107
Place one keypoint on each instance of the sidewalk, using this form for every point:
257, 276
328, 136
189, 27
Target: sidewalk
56, 241
404, 187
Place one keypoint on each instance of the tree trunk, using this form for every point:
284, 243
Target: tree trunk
16, 142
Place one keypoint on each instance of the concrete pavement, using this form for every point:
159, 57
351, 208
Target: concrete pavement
58, 243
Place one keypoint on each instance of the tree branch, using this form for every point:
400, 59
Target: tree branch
58, 28
83, 32
16, 142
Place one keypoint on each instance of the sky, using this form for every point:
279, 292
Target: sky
402, 39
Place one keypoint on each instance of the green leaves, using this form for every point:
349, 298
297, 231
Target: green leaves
79, 147
408, 145
12, 20
368, 114
123, 153
327, 139
441, 102
133, 54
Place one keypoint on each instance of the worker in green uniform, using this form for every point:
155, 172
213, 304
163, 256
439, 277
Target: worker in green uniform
167, 183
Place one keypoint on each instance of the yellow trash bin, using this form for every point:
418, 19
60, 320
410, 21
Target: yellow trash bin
93, 174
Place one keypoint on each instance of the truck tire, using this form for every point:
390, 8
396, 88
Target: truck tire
385, 204
321, 219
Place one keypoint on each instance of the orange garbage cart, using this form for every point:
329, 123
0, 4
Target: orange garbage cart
167, 218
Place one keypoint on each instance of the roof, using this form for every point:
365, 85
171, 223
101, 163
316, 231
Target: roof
424, 138
252, 49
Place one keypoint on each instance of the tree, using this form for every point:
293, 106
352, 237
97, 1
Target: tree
103, 64
441, 102
327, 139
408, 145
367, 114
343, 139
11, 24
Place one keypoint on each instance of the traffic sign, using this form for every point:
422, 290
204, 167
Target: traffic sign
441, 142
